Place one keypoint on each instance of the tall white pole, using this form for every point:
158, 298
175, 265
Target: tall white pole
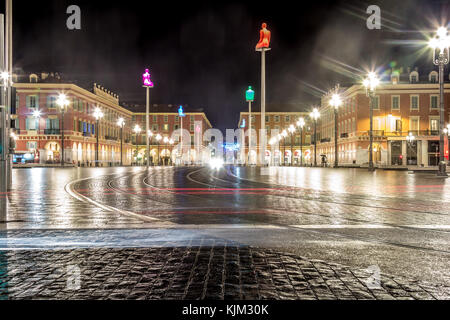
147, 114
181, 140
3, 133
262, 144
249, 131
8, 65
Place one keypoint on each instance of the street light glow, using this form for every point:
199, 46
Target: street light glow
336, 100
315, 114
301, 122
120, 122
372, 81
98, 113
37, 113
291, 128
137, 129
62, 101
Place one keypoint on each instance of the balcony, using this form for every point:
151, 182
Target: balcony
52, 131
376, 133
344, 135
325, 140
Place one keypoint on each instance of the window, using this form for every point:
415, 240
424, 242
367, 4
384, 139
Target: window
166, 118
192, 118
398, 125
52, 124
80, 126
434, 102
31, 145
276, 118
133, 119
51, 102
155, 127
175, 127
192, 127
414, 77
31, 123
32, 101
166, 127
414, 124
267, 118
155, 118
253, 119
395, 103
433, 78
434, 124
177, 118
376, 103
414, 102
287, 118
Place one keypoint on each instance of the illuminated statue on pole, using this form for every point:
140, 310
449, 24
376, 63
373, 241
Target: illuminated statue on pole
146, 79
264, 37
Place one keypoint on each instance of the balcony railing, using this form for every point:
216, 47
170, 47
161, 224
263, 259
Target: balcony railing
416, 133
52, 131
325, 140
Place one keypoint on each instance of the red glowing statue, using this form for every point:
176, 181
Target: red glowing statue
264, 37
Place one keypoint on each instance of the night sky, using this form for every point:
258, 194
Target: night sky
202, 53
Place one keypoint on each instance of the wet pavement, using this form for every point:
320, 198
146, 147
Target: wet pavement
391, 221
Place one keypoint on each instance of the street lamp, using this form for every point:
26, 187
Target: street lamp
291, 130
37, 116
158, 138
301, 124
171, 150
410, 138
98, 114
147, 83
62, 102
336, 102
149, 137
371, 83
121, 123
284, 135
440, 45
249, 97
314, 115
137, 129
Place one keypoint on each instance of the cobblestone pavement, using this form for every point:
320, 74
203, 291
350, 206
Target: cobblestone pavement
225, 271
391, 220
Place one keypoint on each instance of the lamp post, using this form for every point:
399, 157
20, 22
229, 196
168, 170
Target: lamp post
147, 85
149, 137
37, 116
137, 129
410, 138
98, 114
166, 141
284, 135
315, 114
440, 45
158, 138
291, 130
62, 102
171, 150
249, 97
301, 124
371, 83
336, 102
120, 123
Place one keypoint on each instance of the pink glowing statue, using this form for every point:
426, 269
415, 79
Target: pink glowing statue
264, 37
146, 79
